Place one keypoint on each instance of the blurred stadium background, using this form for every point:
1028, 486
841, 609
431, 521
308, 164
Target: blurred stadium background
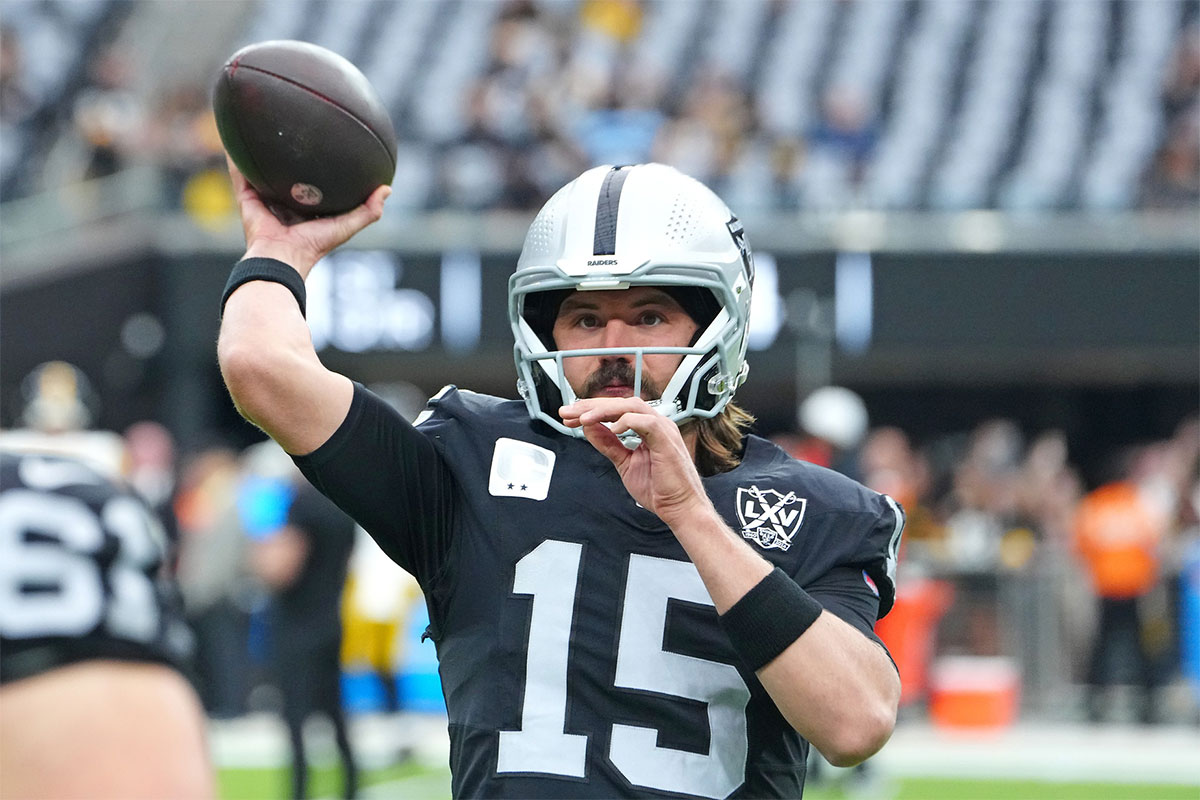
982, 216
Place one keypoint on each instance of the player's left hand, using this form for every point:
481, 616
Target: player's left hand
661, 473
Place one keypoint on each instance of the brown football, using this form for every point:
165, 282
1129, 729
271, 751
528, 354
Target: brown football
304, 126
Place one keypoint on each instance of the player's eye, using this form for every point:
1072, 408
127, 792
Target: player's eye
651, 318
587, 321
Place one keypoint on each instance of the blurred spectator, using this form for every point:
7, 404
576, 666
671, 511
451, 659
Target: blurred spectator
613, 111
1179, 495
1172, 179
604, 29
847, 128
617, 130
980, 530
833, 422
213, 578
485, 167
1119, 534
549, 161
151, 471
889, 464
704, 138
377, 601
1181, 86
17, 103
303, 562
59, 409
525, 58
984, 499
109, 116
181, 133
513, 153
17, 106
475, 169
839, 149
619, 21
1049, 487
1188, 560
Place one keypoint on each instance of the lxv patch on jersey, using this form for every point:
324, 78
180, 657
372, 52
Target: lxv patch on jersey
769, 519
520, 469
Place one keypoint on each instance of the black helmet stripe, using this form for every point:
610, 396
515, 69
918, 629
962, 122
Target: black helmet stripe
605, 238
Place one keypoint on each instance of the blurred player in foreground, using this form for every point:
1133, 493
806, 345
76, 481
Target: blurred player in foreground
91, 700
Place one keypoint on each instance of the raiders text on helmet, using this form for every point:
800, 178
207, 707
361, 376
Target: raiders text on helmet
644, 225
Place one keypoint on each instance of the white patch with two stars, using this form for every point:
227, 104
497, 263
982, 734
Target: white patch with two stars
520, 469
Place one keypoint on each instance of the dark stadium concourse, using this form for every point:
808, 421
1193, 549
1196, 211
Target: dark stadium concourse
1102, 345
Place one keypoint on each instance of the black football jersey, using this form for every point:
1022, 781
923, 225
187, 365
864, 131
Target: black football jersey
80, 571
580, 654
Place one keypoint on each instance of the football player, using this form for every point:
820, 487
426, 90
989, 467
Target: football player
91, 700
630, 595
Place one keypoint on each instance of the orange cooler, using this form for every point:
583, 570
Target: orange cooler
974, 692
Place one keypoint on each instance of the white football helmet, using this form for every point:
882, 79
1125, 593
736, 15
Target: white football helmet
643, 225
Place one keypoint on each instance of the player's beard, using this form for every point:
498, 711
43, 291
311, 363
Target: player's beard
621, 371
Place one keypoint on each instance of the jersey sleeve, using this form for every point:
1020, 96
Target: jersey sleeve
848, 594
844, 592
879, 551
388, 476
313, 512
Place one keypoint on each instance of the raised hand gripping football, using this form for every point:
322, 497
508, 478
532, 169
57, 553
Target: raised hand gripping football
275, 233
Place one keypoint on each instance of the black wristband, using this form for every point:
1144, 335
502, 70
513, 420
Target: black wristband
265, 269
768, 618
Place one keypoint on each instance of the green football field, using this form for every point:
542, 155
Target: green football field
414, 782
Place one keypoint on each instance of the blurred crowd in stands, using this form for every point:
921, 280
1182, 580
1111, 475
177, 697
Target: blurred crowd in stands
992, 505
817, 106
1115, 566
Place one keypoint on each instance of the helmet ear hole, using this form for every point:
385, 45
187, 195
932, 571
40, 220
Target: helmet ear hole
705, 399
699, 304
548, 395
541, 311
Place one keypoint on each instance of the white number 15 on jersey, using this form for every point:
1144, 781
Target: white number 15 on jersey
550, 573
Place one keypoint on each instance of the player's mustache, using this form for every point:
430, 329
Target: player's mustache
618, 370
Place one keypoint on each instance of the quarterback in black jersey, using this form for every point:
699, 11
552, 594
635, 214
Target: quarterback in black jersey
630, 595
91, 700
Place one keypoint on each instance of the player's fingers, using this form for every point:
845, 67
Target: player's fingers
284, 214
241, 186
569, 414
378, 198
249, 201
606, 409
607, 442
361, 216
644, 425
235, 174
